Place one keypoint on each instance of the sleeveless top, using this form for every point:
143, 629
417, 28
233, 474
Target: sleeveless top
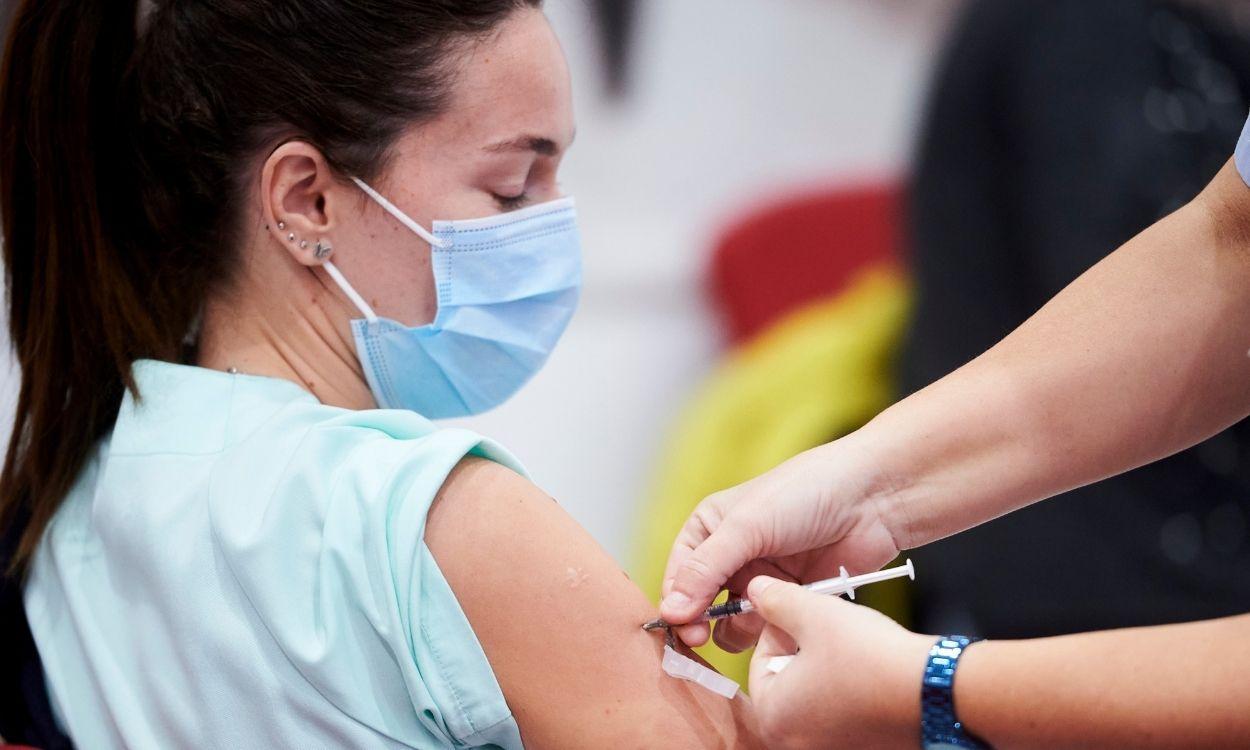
240, 565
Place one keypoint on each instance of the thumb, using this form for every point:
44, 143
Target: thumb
786, 605
704, 572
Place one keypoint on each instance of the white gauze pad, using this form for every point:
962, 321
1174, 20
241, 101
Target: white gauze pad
778, 663
685, 668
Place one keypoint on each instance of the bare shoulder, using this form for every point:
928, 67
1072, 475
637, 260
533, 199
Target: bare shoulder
561, 623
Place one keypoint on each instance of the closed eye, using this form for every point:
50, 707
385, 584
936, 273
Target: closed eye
511, 202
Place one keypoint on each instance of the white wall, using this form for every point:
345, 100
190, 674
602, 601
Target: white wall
731, 100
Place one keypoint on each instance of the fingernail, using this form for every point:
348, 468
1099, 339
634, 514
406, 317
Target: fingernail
759, 585
676, 602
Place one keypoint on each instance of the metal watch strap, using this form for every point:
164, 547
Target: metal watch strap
940, 727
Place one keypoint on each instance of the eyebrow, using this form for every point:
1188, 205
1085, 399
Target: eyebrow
537, 144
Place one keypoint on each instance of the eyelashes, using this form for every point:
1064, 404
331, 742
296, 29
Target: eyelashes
511, 202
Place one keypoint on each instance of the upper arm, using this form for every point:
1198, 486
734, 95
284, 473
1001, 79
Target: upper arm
561, 623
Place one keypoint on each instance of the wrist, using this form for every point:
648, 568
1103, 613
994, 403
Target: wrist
898, 708
884, 483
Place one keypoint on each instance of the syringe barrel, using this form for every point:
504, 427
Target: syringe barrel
839, 585
845, 584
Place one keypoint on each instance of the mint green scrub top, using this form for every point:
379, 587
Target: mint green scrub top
241, 566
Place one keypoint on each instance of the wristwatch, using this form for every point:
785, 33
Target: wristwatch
940, 728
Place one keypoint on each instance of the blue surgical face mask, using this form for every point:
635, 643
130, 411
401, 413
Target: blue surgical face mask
507, 286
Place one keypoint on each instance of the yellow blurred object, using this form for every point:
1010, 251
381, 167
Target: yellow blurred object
819, 373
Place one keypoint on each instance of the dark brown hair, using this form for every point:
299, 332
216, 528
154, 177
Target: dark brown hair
125, 158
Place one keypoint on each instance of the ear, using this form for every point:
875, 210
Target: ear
299, 195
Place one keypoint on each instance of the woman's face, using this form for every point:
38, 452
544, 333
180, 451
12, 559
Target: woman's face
496, 148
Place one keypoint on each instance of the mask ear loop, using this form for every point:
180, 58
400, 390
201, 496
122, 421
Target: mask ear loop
402, 217
351, 293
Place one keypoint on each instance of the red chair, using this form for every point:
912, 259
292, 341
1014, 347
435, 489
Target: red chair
799, 251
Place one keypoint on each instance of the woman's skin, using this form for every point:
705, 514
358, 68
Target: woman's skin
1145, 354
561, 624
559, 621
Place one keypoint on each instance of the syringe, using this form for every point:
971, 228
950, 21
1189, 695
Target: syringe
842, 584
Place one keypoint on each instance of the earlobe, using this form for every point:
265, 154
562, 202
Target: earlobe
296, 182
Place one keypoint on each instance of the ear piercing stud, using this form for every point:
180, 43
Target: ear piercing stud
321, 250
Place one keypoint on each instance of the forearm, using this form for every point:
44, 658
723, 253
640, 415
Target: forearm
1142, 356
1161, 687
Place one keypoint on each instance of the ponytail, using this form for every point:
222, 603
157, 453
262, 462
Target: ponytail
72, 224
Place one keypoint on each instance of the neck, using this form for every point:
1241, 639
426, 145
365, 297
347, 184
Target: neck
292, 336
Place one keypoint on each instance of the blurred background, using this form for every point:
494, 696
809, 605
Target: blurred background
796, 211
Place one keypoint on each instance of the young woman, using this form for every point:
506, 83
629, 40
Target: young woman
233, 230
